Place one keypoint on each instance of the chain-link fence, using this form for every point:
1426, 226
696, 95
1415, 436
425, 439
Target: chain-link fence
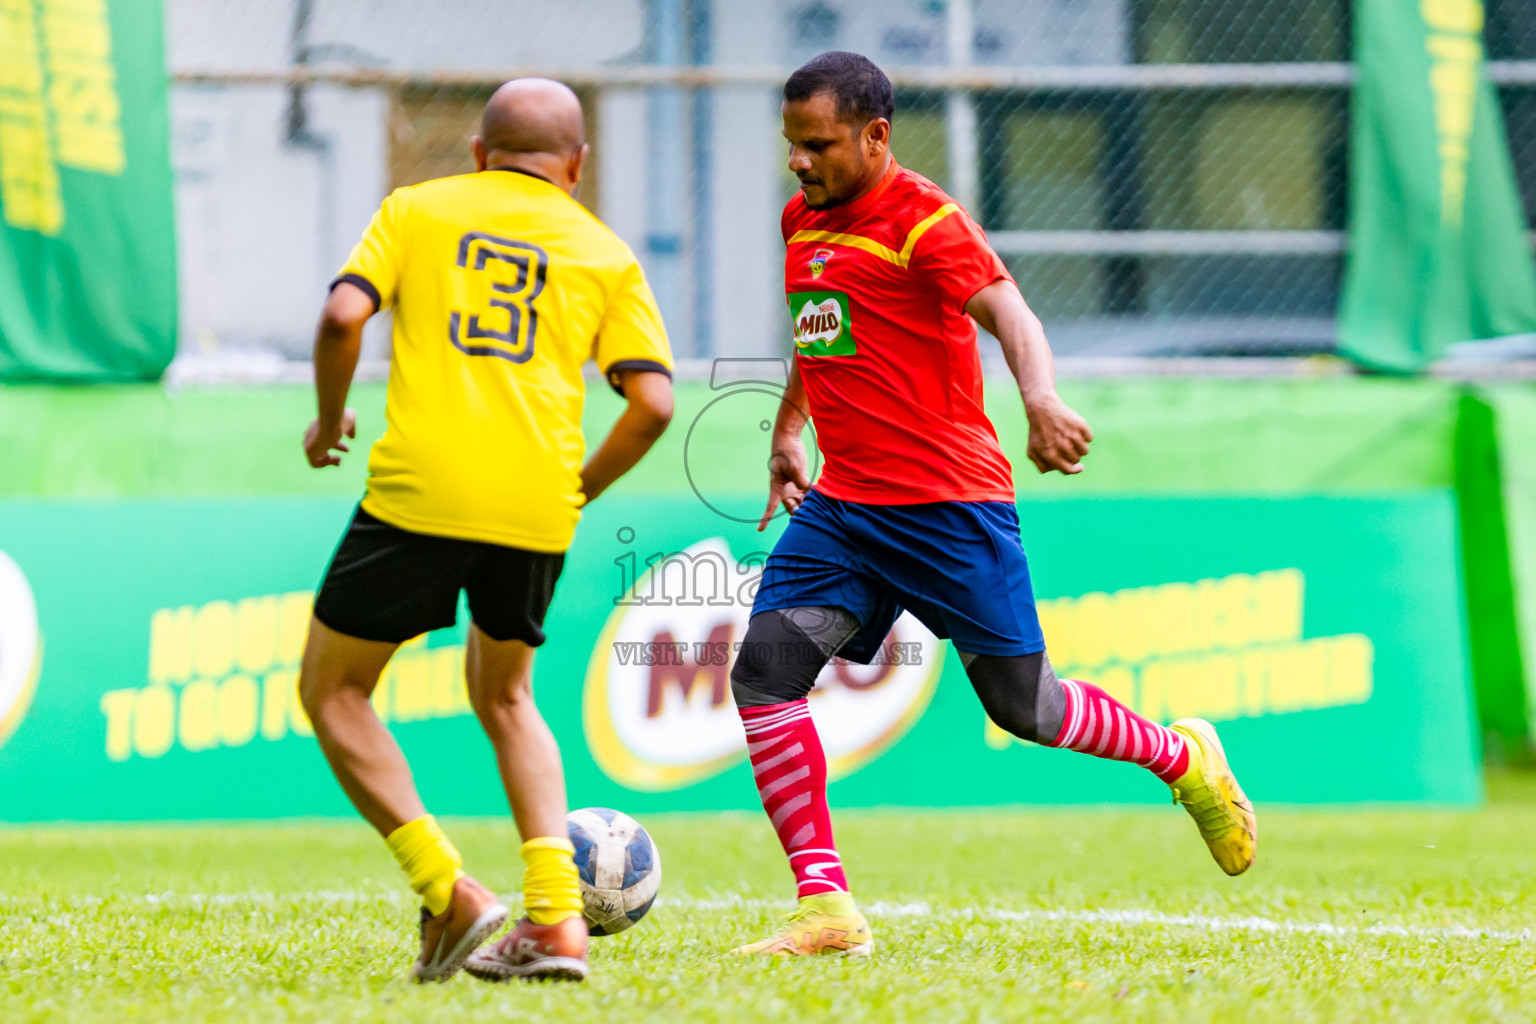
1162, 176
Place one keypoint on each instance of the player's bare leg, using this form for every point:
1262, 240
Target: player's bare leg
551, 941
1022, 695
500, 677
337, 678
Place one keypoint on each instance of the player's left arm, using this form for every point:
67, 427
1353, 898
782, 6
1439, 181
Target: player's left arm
1058, 436
954, 258
631, 349
648, 410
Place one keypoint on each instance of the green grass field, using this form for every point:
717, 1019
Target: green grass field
1013, 915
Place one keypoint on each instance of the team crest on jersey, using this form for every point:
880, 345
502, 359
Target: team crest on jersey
819, 261
822, 324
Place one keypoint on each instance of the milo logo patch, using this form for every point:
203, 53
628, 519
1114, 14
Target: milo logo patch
822, 324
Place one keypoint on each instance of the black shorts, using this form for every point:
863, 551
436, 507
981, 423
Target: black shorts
389, 584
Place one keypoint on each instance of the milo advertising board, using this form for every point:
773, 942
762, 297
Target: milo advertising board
656, 706
21, 646
173, 631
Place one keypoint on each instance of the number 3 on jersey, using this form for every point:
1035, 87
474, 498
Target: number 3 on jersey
494, 288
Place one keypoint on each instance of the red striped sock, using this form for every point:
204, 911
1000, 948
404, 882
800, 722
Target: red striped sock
791, 772
1095, 723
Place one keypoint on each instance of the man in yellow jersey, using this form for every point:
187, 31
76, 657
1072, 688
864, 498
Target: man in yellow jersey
502, 286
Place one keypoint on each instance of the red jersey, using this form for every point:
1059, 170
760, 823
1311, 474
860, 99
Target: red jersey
877, 291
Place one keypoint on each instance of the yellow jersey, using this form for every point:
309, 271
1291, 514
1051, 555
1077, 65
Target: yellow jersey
503, 286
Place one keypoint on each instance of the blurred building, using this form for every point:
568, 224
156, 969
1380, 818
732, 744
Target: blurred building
1163, 176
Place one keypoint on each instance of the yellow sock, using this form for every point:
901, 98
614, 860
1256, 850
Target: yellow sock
551, 886
428, 859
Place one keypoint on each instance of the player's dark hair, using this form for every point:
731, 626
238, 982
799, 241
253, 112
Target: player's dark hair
863, 92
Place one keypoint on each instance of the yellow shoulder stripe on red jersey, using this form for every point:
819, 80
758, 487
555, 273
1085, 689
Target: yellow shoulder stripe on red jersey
874, 248
922, 228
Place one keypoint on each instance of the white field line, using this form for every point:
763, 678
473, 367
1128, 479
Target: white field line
328, 897
1262, 924
1199, 922
877, 909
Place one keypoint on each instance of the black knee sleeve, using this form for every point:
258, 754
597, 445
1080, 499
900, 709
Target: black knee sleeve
784, 651
1020, 694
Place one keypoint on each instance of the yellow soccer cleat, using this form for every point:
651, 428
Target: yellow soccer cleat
1210, 793
825, 925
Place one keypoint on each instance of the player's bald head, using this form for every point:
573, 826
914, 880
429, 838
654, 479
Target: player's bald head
533, 115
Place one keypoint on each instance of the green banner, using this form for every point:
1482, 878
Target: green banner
87, 238
1438, 245
1488, 519
1160, 435
1152, 436
149, 650
1514, 407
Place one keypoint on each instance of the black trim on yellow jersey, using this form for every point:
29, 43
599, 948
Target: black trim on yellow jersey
519, 170
359, 281
647, 365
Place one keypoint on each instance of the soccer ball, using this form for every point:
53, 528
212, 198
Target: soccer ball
620, 868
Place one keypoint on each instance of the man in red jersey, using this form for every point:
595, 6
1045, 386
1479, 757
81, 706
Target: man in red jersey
887, 278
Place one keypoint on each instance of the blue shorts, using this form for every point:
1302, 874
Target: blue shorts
958, 566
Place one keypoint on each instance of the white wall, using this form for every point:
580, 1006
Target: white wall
910, 32
747, 163
263, 224
449, 34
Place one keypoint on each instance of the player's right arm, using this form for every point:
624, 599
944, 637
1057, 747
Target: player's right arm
788, 467
338, 342
365, 285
